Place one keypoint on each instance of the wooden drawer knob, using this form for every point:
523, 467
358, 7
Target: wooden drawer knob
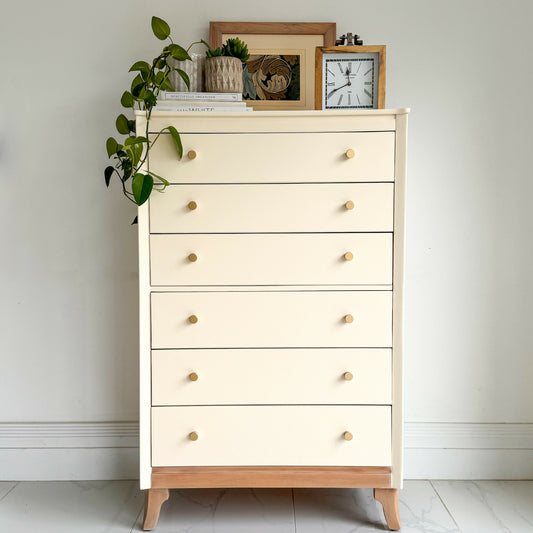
193, 319
350, 153
348, 376
191, 154
347, 435
348, 319
348, 256
193, 435
193, 376
349, 205
192, 258
192, 205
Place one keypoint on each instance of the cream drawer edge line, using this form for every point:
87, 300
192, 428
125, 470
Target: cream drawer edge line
263, 122
263, 288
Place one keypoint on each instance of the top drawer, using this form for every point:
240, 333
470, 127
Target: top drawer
276, 157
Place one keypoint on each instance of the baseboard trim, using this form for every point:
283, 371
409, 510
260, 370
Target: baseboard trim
109, 450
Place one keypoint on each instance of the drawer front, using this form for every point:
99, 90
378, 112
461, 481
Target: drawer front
267, 435
280, 259
272, 319
297, 376
264, 208
276, 157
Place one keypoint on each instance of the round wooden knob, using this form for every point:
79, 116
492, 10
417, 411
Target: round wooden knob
348, 319
350, 153
349, 205
191, 154
193, 376
193, 435
192, 258
348, 256
193, 319
347, 435
192, 205
348, 376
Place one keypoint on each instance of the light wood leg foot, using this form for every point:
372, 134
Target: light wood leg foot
152, 506
389, 499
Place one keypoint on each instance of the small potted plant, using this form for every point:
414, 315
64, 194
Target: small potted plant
223, 67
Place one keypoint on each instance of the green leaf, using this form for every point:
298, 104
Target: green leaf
135, 140
159, 62
178, 52
142, 185
160, 28
167, 85
127, 99
112, 146
122, 125
136, 85
150, 99
184, 76
159, 77
177, 140
137, 151
108, 172
141, 66
131, 125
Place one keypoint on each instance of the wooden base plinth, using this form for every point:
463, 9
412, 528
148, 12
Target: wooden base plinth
165, 478
196, 477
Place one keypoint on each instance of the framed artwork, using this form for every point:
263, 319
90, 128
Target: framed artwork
280, 73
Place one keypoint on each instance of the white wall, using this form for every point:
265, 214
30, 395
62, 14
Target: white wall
68, 298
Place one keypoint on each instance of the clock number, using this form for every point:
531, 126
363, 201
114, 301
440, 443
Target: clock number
340, 68
367, 93
368, 71
330, 72
340, 99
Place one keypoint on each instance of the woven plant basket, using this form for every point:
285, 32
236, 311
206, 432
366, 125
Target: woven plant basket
223, 74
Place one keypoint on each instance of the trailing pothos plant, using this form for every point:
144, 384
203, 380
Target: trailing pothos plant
130, 154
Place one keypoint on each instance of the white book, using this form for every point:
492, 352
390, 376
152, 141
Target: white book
199, 103
215, 108
206, 97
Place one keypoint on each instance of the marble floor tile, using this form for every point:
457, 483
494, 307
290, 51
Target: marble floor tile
71, 507
355, 510
231, 511
489, 506
6, 487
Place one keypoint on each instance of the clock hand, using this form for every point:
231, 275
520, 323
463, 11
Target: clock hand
338, 88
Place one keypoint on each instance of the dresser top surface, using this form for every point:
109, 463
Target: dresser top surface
311, 113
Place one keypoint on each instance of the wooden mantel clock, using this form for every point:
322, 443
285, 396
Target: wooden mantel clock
271, 275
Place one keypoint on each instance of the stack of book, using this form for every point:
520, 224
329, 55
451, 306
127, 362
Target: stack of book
201, 101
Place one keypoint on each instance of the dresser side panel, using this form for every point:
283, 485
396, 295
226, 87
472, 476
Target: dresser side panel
143, 228
397, 306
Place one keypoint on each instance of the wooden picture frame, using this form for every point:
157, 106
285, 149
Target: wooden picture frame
364, 49
294, 44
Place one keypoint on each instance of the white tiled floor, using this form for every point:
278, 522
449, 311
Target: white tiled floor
116, 507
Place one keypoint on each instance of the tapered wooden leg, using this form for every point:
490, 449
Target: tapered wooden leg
389, 499
152, 506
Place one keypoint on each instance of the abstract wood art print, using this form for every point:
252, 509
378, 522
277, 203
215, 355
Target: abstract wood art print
279, 73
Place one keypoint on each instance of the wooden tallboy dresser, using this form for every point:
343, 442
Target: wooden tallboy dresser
271, 288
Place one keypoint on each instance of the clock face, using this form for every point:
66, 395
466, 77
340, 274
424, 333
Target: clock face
350, 80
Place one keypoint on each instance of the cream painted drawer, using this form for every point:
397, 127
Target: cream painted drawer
267, 157
271, 435
270, 208
296, 376
272, 319
273, 259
